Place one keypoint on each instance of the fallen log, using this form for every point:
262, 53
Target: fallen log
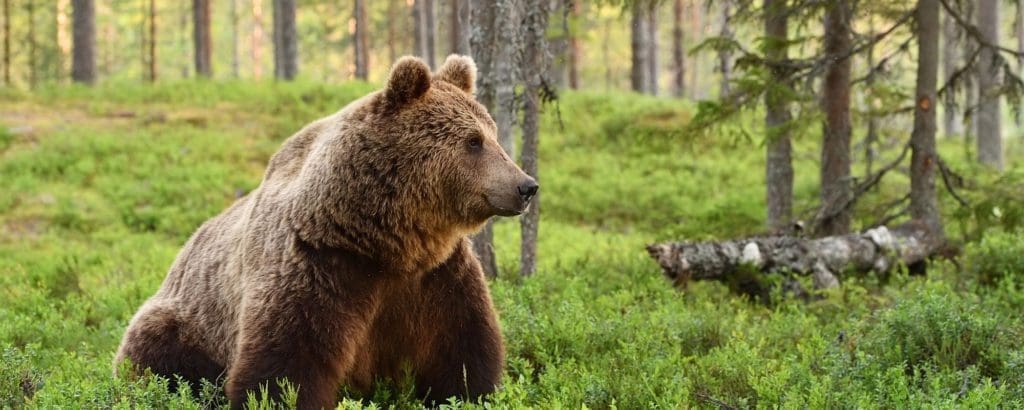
825, 259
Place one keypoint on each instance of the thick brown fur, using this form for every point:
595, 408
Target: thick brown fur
350, 262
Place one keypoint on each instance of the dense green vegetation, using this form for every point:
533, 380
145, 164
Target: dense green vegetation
100, 187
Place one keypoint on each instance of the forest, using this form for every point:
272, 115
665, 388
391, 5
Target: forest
743, 204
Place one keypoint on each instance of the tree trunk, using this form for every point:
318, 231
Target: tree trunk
7, 43
493, 38
871, 139
826, 259
286, 49
423, 26
392, 37
574, 44
990, 140
835, 148
83, 57
235, 56
152, 41
201, 37
256, 39
1019, 32
950, 57
678, 55
779, 162
725, 56
30, 7
923, 202
535, 64
359, 41
697, 26
639, 43
652, 48
461, 26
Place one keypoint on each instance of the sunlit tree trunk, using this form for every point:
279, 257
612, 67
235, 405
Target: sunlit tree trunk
871, 139
235, 52
423, 30
201, 37
835, 148
639, 44
990, 139
7, 42
678, 55
30, 8
725, 56
286, 45
461, 26
535, 64
392, 37
923, 161
779, 163
575, 50
151, 43
491, 44
652, 48
951, 47
697, 27
256, 39
83, 57
362, 54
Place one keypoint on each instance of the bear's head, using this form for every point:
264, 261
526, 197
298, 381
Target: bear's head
435, 119
405, 172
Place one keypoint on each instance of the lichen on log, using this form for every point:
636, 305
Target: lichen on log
878, 249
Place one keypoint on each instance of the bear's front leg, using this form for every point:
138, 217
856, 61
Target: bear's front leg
309, 341
467, 354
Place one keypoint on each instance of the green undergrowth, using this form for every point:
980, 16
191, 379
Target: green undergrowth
104, 185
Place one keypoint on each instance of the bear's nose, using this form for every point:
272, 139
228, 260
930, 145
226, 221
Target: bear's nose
528, 189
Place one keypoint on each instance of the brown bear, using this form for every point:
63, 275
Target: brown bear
351, 262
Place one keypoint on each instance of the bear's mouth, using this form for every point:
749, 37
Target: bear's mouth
501, 210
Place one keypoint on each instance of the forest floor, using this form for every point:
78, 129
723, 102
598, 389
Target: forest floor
99, 188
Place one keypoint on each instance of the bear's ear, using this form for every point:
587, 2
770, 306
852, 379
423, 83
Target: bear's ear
459, 71
409, 80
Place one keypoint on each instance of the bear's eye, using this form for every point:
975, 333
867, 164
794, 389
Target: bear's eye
475, 143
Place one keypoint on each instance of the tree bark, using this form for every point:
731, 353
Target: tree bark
779, 162
7, 42
461, 26
835, 148
952, 45
83, 56
535, 64
725, 56
826, 259
923, 202
990, 140
359, 42
678, 55
639, 43
423, 26
286, 47
575, 49
256, 39
152, 41
652, 48
235, 54
392, 37
201, 37
493, 40
871, 139
30, 7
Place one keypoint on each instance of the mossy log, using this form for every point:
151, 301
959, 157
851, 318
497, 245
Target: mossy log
825, 259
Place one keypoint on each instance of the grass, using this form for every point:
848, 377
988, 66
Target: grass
99, 188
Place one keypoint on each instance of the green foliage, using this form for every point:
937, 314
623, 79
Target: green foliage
996, 256
95, 207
